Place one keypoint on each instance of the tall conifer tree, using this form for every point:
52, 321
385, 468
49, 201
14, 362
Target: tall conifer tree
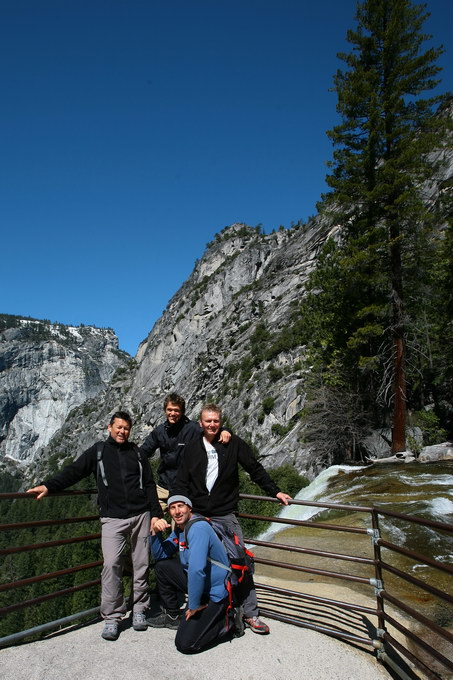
381, 159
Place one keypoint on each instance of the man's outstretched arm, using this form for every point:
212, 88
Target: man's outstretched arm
259, 475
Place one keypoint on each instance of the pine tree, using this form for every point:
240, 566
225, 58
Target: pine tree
381, 159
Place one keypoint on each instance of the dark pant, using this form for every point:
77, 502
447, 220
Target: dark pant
203, 629
207, 626
171, 580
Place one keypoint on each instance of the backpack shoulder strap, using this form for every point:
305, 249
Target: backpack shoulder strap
100, 465
186, 540
189, 524
137, 451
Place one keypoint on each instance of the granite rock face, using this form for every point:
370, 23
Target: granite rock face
243, 292
45, 371
244, 280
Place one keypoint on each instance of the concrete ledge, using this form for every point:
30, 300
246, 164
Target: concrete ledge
288, 651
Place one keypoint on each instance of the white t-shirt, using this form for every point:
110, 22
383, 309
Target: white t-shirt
212, 470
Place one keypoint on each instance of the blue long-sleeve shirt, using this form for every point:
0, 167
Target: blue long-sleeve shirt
205, 578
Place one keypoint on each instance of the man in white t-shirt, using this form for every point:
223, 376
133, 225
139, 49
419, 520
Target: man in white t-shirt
208, 474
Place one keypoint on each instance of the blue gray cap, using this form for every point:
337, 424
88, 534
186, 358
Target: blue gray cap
179, 499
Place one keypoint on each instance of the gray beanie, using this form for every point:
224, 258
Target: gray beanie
179, 499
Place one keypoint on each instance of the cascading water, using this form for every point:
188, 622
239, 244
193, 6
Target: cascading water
418, 490
316, 491
415, 489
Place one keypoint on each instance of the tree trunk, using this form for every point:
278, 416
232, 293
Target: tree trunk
399, 396
399, 411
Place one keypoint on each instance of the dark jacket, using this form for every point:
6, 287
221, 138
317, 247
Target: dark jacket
224, 496
123, 497
171, 440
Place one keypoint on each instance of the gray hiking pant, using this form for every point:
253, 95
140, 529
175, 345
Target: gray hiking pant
249, 602
114, 534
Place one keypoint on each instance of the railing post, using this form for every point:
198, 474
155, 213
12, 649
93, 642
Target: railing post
381, 629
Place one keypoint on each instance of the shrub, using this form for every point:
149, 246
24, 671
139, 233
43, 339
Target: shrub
429, 424
274, 373
268, 404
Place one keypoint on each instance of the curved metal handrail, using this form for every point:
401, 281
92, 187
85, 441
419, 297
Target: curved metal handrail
289, 606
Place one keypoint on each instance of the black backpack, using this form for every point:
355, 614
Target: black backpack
100, 472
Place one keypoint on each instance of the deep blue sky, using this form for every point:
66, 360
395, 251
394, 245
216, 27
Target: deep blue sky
131, 131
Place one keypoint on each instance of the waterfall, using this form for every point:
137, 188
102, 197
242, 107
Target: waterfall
423, 490
414, 489
313, 492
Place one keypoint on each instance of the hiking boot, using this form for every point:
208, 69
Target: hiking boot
110, 631
139, 621
255, 624
164, 620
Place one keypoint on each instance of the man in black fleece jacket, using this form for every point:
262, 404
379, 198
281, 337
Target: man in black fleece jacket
127, 500
208, 474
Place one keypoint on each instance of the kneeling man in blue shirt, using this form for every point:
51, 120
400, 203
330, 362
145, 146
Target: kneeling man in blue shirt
200, 571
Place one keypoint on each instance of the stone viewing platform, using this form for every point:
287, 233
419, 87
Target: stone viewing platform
319, 629
289, 651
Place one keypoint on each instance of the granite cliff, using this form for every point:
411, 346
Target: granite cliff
240, 295
45, 371
241, 292
226, 335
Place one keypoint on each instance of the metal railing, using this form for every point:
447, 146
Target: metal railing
379, 637
24, 581
389, 637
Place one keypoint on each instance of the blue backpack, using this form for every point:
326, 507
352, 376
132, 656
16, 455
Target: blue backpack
239, 568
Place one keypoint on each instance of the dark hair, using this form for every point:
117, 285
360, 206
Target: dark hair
121, 415
211, 407
175, 399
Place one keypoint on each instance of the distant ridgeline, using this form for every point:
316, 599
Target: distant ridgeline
46, 370
43, 329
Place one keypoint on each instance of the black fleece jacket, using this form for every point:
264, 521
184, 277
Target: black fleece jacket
224, 496
122, 497
171, 440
